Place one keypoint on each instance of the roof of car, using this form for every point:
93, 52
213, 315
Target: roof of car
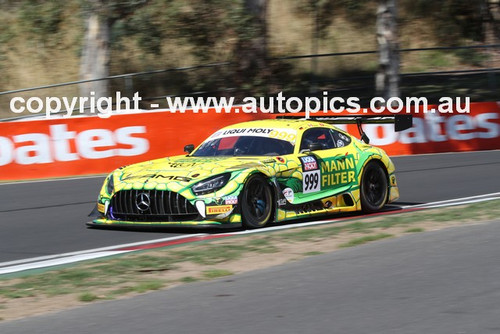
296, 124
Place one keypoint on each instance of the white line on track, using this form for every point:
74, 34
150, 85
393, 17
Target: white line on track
66, 258
453, 200
58, 261
461, 203
95, 250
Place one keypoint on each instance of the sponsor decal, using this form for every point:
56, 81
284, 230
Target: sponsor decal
283, 134
218, 201
156, 176
282, 202
338, 171
343, 137
231, 200
289, 194
434, 128
215, 210
309, 163
63, 145
311, 176
311, 181
181, 164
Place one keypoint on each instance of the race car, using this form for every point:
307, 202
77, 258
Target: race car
253, 173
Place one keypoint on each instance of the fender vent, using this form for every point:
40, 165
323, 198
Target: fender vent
348, 200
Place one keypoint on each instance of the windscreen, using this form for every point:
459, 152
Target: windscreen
244, 146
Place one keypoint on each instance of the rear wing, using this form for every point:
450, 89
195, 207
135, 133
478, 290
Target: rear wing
401, 122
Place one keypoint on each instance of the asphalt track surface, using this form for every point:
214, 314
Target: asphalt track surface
48, 217
434, 282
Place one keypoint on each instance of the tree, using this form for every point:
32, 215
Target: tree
387, 77
94, 64
490, 12
251, 49
94, 61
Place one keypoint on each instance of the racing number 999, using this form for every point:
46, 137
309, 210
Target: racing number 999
311, 181
283, 135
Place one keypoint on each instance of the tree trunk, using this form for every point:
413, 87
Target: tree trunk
387, 78
251, 51
258, 44
95, 56
490, 12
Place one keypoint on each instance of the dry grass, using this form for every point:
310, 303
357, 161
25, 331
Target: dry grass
28, 63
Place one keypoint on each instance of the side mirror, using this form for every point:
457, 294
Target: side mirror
315, 147
189, 148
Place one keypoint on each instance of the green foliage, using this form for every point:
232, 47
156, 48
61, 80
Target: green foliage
435, 59
224, 30
149, 25
112, 10
325, 11
472, 57
415, 230
6, 32
313, 253
364, 240
148, 286
212, 254
40, 19
188, 279
453, 20
87, 297
216, 273
204, 24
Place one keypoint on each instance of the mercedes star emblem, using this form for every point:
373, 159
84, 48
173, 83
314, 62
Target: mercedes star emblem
142, 201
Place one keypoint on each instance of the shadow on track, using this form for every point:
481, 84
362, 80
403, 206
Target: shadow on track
391, 208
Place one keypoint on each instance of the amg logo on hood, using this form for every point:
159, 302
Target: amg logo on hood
157, 176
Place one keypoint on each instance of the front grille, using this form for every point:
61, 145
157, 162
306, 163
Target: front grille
151, 205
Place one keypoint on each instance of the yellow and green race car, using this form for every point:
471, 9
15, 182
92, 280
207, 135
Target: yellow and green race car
254, 173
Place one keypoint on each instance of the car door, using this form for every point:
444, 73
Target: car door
328, 166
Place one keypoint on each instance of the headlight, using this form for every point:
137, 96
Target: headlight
211, 184
110, 185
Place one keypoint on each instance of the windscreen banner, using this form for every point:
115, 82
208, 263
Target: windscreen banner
56, 147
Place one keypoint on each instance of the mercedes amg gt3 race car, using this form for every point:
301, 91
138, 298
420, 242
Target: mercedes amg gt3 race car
253, 173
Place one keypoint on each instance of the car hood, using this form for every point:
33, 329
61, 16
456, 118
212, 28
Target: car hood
185, 171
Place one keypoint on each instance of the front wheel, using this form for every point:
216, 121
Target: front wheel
373, 188
256, 202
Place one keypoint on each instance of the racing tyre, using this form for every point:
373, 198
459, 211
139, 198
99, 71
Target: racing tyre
373, 188
256, 202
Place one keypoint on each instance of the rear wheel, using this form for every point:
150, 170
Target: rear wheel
373, 187
256, 202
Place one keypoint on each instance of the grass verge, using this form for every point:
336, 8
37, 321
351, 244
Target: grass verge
150, 270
